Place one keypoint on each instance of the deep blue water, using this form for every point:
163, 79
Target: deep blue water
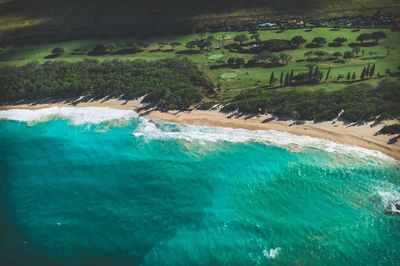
98, 195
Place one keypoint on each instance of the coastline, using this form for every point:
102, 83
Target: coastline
336, 131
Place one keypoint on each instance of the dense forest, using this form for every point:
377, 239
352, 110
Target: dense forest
358, 101
168, 83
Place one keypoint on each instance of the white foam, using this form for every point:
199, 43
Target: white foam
202, 134
272, 253
77, 115
388, 199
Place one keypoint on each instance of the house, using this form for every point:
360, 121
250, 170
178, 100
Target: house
266, 25
293, 23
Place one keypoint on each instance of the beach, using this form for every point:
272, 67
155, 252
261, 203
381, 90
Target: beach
363, 135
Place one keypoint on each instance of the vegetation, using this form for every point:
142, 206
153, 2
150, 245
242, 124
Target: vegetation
169, 83
359, 102
270, 62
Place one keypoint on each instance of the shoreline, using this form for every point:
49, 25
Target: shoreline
336, 131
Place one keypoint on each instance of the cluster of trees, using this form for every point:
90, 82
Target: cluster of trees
130, 47
374, 37
359, 102
322, 56
317, 42
264, 59
338, 42
124, 48
172, 45
268, 59
314, 75
203, 43
168, 83
368, 72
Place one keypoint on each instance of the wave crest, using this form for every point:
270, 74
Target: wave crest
77, 115
389, 199
202, 134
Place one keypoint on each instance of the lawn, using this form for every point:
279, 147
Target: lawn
232, 81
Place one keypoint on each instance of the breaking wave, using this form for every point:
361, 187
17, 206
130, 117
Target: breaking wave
202, 134
77, 116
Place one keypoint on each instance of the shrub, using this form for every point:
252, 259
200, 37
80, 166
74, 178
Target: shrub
314, 45
319, 40
297, 41
337, 54
58, 51
348, 54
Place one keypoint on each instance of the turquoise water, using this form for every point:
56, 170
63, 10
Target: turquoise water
96, 194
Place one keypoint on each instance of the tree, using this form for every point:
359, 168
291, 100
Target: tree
316, 73
348, 54
337, 54
58, 51
235, 62
203, 44
297, 41
353, 77
310, 71
221, 40
191, 44
271, 78
267, 57
161, 45
340, 40
367, 70
372, 70
377, 35
256, 37
174, 44
388, 49
287, 80
281, 79
241, 38
319, 40
356, 50
328, 74
309, 54
284, 58
291, 75
363, 37
362, 76
348, 76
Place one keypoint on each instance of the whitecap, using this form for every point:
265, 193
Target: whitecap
389, 199
202, 134
77, 115
272, 253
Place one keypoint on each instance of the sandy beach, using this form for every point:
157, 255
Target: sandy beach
359, 135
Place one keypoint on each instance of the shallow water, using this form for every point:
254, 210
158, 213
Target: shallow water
80, 189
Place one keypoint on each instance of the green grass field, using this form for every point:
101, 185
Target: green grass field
231, 80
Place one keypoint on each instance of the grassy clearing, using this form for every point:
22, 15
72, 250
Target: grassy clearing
231, 80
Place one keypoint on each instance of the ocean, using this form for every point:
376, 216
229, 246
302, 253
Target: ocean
100, 186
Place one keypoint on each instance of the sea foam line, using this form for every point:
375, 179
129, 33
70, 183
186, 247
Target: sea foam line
150, 130
77, 115
202, 134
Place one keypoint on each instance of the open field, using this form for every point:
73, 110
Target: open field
231, 80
